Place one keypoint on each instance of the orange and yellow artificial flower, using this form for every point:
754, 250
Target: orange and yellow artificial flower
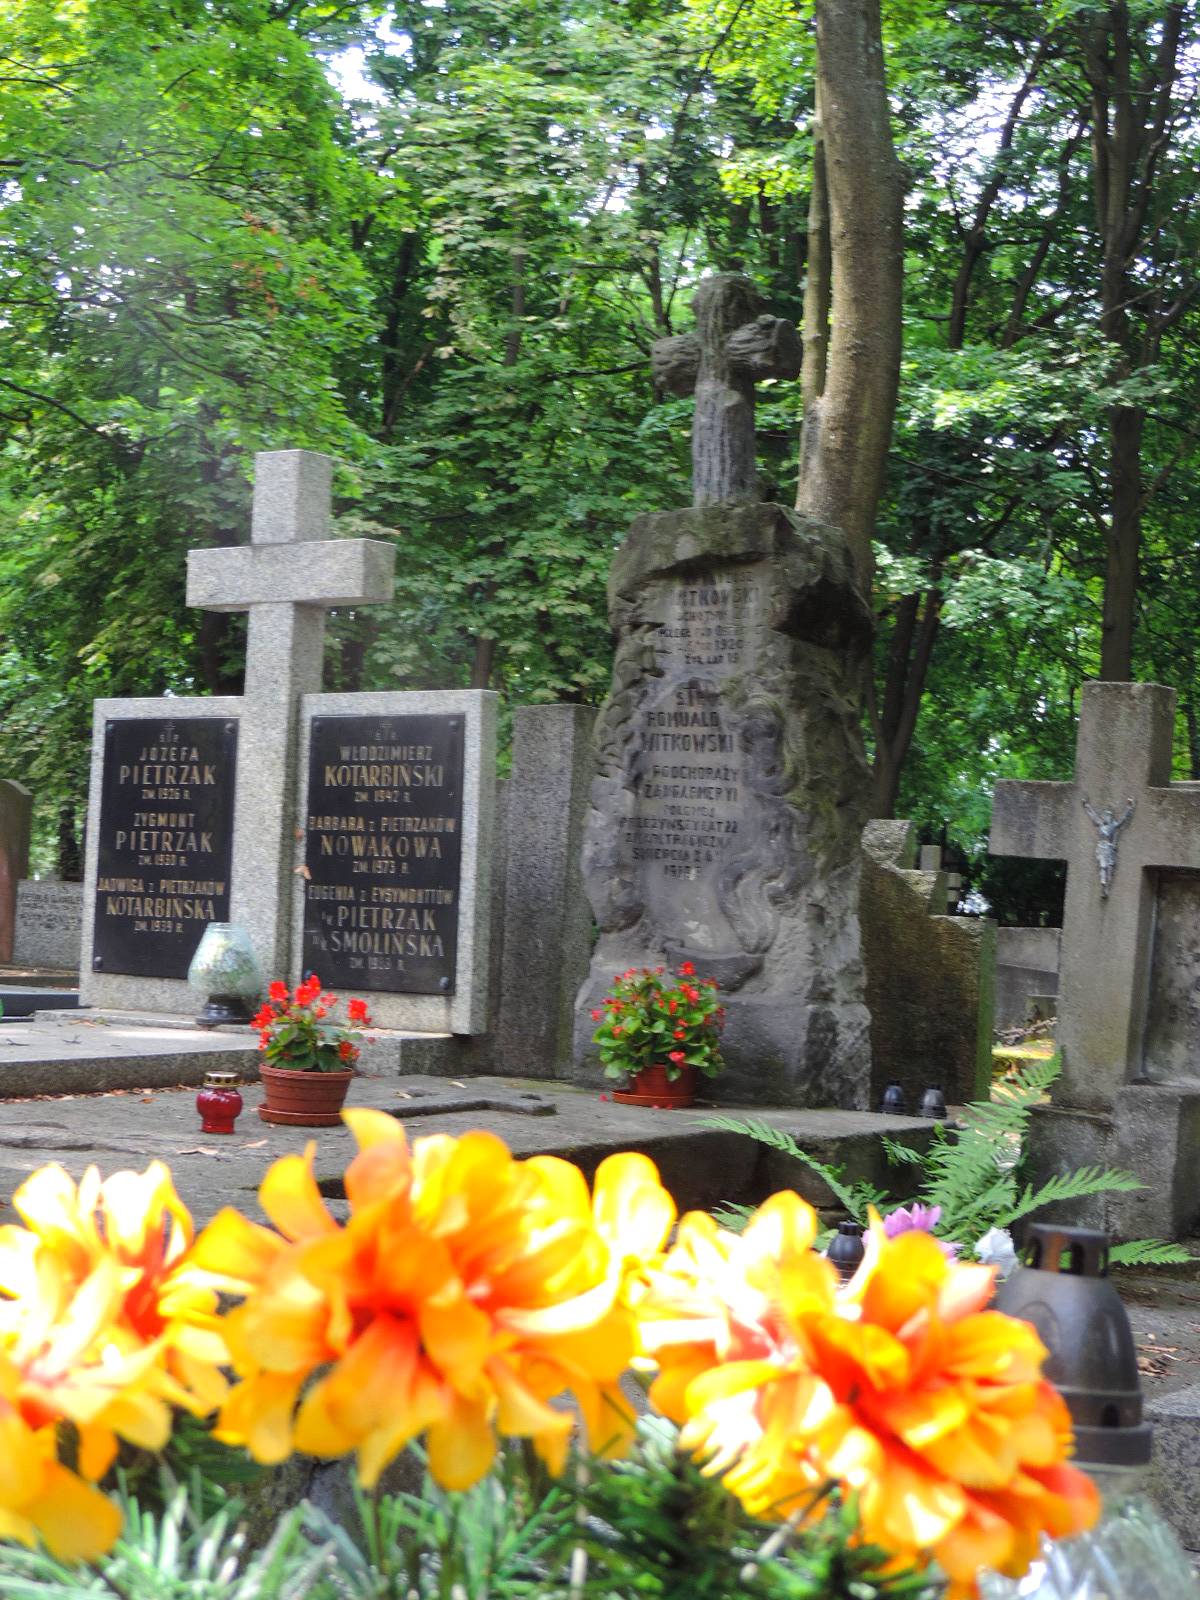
102, 1325
466, 1291
900, 1386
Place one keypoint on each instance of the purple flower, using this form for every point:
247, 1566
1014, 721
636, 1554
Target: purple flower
907, 1218
919, 1219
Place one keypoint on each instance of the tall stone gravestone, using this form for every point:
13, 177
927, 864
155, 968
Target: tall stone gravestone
193, 799
728, 806
394, 853
1129, 972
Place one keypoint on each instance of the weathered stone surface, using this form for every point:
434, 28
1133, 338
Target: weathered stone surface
1153, 1131
1157, 1135
1062, 1138
1171, 1053
547, 930
16, 816
334, 572
1026, 966
1175, 1468
735, 344
49, 923
727, 810
929, 976
1130, 952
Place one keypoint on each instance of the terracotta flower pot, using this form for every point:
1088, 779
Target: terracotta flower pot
303, 1099
652, 1087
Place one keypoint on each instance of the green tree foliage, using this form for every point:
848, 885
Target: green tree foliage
437, 241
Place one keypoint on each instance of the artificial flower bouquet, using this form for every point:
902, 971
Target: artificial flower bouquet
297, 1031
466, 1288
647, 1019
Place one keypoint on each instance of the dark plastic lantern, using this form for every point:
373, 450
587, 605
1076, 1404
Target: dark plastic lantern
933, 1102
893, 1102
846, 1248
1065, 1291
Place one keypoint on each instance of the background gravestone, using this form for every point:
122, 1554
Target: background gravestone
49, 924
929, 975
16, 815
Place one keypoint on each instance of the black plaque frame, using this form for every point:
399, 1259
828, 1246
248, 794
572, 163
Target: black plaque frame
383, 857
165, 841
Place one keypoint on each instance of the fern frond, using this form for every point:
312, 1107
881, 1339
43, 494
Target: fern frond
901, 1154
1148, 1253
732, 1216
855, 1198
1071, 1186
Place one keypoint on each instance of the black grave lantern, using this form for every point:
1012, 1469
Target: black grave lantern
1065, 1291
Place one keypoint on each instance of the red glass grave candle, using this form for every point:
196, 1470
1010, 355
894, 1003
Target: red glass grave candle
219, 1102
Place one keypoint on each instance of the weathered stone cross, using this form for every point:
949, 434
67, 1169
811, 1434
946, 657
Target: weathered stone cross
285, 578
735, 344
1122, 769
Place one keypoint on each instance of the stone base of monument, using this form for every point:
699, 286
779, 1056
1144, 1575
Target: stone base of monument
1153, 1131
97, 1031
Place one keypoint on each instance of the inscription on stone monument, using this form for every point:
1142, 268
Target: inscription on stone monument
383, 849
693, 804
165, 842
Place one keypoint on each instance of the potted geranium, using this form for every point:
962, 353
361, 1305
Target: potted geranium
659, 1033
308, 1056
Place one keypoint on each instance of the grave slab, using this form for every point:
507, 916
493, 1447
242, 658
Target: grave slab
702, 1166
77, 1054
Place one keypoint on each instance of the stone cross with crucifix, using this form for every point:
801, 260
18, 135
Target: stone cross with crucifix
736, 343
285, 578
1116, 825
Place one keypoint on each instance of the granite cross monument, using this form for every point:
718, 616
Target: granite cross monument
728, 805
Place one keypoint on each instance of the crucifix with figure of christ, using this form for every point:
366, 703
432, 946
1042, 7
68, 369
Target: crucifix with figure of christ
1119, 823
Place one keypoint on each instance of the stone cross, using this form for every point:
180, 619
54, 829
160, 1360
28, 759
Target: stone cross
736, 343
1123, 772
286, 577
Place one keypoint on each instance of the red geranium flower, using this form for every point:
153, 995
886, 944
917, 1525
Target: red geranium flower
677, 1056
278, 992
687, 970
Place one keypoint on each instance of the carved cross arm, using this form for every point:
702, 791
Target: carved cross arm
675, 362
768, 347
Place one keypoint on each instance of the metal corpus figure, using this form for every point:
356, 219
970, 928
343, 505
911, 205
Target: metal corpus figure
1108, 825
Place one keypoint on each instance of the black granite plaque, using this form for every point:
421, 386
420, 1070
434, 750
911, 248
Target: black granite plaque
165, 842
383, 851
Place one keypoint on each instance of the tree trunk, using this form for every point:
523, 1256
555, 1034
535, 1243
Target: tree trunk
1132, 108
848, 428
